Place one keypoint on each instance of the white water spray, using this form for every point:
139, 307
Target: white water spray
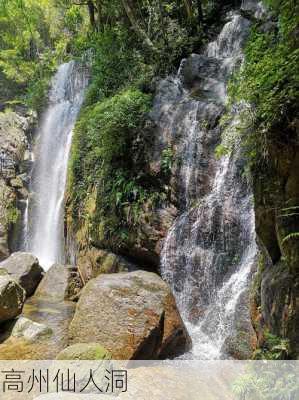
45, 217
210, 250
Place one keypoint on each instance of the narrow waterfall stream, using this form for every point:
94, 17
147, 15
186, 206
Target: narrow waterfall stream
45, 215
210, 250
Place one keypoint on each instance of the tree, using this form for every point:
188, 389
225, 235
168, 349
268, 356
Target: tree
135, 25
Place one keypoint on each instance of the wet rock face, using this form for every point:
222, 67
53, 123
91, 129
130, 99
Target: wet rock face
24, 268
241, 344
14, 155
210, 250
12, 298
133, 315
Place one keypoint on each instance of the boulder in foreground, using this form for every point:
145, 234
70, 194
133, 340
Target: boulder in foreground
133, 315
12, 298
24, 268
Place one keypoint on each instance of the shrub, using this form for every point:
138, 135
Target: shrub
269, 80
102, 163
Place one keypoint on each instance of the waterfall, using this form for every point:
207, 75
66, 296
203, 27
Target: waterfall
45, 215
210, 250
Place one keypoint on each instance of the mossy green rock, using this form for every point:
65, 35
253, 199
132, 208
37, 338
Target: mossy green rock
84, 351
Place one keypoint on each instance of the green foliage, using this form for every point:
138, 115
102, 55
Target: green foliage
167, 160
269, 79
34, 40
102, 163
13, 214
117, 64
268, 380
274, 348
220, 151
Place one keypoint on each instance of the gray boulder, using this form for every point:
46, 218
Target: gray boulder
132, 315
59, 283
12, 298
24, 268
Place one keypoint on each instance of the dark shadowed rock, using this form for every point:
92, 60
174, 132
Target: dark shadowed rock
133, 315
12, 297
25, 269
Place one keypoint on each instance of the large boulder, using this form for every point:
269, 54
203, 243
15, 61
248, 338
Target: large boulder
25, 269
12, 298
133, 315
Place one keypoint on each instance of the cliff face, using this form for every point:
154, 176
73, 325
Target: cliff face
276, 292
15, 164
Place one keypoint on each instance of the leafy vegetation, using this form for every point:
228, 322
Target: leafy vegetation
268, 381
167, 160
102, 163
31, 45
274, 348
268, 81
108, 186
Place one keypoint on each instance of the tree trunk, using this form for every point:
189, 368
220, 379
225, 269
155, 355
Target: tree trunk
138, 30
188, 6
91, 11
199, 12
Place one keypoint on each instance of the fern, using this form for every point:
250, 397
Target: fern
294, 235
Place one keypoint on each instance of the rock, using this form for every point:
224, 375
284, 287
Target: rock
16, 183
3, 272
12, 298
60, 283
22, 193
243, 342
84, 351
253, 9
133, 315
7, 204
96, 261
13, 145
30, 330
24, 268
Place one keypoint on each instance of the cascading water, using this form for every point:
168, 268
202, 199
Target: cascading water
210, 250
45, 215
